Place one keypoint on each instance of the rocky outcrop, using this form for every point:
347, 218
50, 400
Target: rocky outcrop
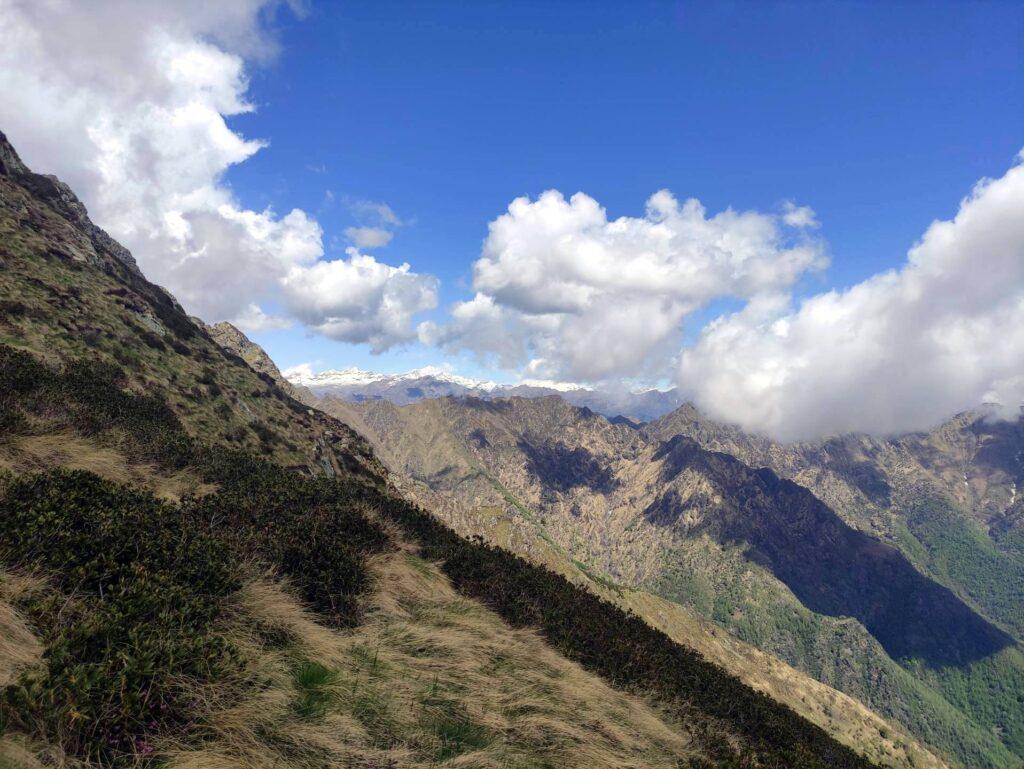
235, 342
55, 192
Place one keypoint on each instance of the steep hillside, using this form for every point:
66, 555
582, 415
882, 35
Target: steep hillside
947, 498
763, 557
198, 570
67, 291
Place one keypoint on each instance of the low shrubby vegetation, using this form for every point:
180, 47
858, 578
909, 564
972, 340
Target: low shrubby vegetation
136, 614
136, 585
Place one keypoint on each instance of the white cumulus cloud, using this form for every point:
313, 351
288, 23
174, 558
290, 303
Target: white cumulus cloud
359, 299
900, 351
798, 216
127, 102
586, 298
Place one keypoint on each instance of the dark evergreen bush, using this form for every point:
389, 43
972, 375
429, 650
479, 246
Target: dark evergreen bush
136, 585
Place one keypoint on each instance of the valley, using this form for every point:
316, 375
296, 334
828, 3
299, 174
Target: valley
821, 570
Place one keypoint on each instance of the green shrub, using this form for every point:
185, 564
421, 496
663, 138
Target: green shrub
312, 530
137, 585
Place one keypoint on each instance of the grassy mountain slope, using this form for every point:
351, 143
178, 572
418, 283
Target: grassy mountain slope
555, 482
199, 570
965, 471
947, 499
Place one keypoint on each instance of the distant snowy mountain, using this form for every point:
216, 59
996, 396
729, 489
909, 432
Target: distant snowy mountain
358, 385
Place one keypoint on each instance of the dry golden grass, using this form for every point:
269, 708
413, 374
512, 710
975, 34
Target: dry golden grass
19, 648
17, 752
428, 679
34, 453
843, 717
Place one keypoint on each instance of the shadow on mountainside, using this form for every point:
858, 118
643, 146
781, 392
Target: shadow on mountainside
1001, 445
560, 468
832, 568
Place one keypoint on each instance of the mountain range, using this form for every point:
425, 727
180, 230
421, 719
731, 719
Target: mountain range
889, 569
357, 385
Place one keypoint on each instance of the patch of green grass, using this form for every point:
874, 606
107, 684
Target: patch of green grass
371, 708
313, 683
510, 498
368, 659
455, 732
419, 565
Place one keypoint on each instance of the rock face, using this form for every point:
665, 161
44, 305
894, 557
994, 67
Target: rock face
59, 195
845, 558
975, 463
237, 343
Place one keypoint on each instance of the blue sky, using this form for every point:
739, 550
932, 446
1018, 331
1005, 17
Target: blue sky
855, 262
879, 116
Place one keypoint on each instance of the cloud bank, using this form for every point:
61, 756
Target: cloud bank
359, 299
127, 101
563, 292
900, 351
572, 295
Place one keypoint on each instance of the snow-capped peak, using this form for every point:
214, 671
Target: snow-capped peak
303, 375
550, 384
439, 381
444, 375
